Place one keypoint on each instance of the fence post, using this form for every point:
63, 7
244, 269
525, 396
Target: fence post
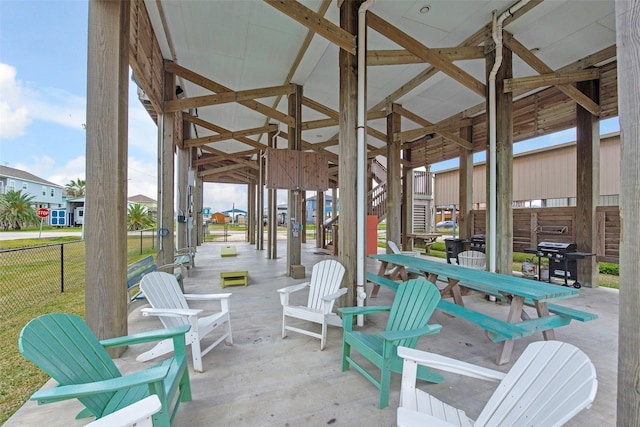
61, 268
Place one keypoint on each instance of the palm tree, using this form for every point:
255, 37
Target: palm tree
16, 210
138, 217
76, 188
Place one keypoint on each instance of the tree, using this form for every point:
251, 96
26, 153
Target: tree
139, 217
16, 210
76, 188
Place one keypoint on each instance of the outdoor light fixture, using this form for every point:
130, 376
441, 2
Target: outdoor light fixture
179, 92
425, 9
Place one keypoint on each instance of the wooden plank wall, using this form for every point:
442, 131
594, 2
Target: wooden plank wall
296, 170
534, 225
145, 56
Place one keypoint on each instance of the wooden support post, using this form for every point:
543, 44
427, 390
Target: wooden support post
587, 183
251, 213
466, 186
504, 164
294, 208
406, 226
182, 166
106, 156
200, 219
260, 207
347, 171
166, 124
628, 45
320, 209
272, 234
394, 183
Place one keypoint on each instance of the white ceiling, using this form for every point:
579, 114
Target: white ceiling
247, 44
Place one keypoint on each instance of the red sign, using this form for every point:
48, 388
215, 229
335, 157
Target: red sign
42, 212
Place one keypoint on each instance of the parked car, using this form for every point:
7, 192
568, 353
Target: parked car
447, 225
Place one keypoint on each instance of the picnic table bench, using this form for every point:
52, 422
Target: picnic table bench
517, 291
137, 270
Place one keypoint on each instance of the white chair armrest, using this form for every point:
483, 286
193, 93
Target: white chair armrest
410, 418
206, 297
448, 364
335, 295
294, 288
135, 414
172, 312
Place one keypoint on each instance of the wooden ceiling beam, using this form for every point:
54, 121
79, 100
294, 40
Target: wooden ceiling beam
218, 155
219, 170
219, 129
316, 23
403, 57
428, 55
444, 133
225, 98
196, 142
473, 40
549, 79
213, 86
538, 65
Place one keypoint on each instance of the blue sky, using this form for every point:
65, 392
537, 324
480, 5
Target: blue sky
43, 63
43, 86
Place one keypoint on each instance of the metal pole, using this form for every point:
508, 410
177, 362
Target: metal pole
61, 268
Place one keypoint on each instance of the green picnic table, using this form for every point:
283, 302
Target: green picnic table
518, 291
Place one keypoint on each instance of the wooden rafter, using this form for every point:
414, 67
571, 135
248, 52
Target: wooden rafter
539, 66
217, 155
220, 170
316, 23
428, 55
550, 79
401, 57
219, 129
442, 132
217, 87
473, 40
195, 142
225, 98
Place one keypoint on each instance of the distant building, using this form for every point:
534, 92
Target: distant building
148, 202
312, 207
45, 194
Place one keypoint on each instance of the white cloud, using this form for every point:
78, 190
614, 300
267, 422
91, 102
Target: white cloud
20, 105
14, 116
142, 178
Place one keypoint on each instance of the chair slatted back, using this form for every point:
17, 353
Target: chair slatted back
413, 305
64, 347
326, 278
550, 383
163, 291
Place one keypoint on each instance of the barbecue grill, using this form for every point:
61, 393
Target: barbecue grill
562, 260
477, 243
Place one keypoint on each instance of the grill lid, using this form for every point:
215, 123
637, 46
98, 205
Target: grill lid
557, 247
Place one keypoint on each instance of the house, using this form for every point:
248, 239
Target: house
328, 207
45, 194
148, 202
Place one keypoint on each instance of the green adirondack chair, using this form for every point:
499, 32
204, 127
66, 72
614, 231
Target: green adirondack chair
64, 347
415, 301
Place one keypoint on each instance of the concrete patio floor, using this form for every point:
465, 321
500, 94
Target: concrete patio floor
263, 380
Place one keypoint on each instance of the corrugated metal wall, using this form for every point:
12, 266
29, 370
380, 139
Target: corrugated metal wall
548, 173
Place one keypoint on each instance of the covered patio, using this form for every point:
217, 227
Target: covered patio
331, 86
264, 380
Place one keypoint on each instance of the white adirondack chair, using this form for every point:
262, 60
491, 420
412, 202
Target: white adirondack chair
472, 259
139, 414
396, 250
547, 386
170, 305
324, 289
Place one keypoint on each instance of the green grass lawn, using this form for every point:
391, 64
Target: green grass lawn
35, 277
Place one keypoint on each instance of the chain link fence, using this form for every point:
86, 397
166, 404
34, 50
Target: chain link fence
32, 275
